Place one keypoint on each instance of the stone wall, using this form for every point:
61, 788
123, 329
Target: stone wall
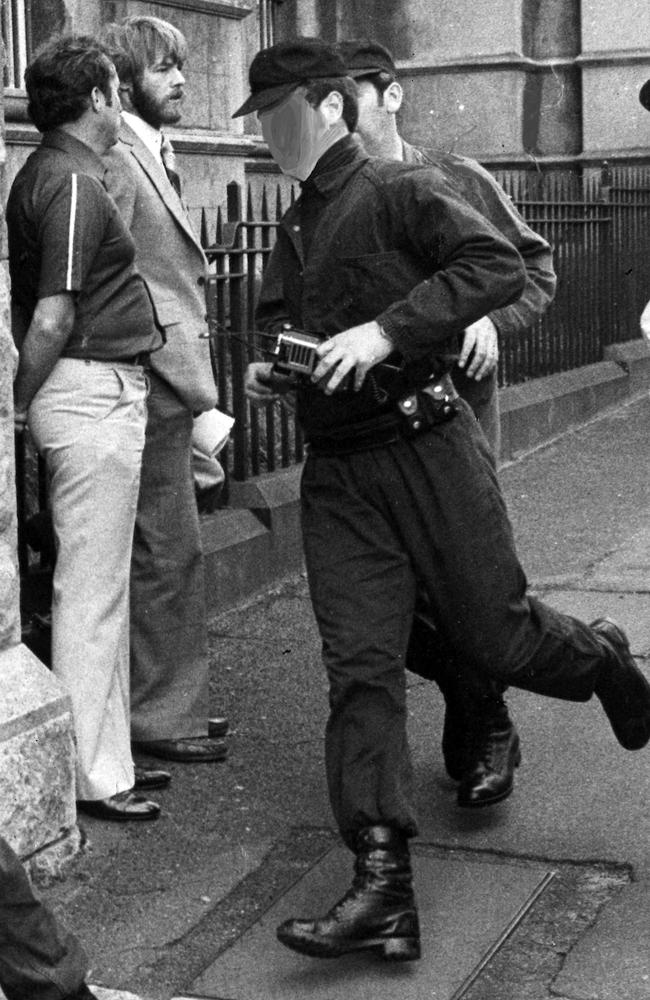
615, 62
223, 36
504, 80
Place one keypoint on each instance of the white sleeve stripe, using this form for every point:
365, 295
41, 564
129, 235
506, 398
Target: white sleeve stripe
73, 214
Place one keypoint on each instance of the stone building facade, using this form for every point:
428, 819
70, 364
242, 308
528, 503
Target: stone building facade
505, 81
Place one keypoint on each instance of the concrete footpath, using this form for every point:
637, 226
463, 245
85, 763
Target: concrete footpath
545, 895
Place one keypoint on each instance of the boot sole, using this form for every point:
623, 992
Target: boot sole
390, 949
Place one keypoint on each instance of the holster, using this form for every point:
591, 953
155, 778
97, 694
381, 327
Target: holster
428, 406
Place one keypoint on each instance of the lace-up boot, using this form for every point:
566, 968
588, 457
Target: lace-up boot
376, 914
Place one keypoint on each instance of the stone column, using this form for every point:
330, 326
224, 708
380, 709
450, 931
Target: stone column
37, 802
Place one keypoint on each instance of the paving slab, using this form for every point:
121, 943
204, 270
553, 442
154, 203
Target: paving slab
467, 908
628, 568
612, 959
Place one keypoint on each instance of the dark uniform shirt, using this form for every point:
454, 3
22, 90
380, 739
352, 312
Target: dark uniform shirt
478, 187
387, 242
66, 235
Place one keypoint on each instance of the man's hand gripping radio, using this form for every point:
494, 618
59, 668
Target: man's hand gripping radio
295, 359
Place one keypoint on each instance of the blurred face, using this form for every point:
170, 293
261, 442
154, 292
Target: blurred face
158, 95
298, 134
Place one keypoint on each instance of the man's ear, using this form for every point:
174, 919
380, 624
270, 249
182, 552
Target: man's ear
97, 99
393, 96
332, 107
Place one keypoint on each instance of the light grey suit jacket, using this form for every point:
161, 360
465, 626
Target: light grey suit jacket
170, 259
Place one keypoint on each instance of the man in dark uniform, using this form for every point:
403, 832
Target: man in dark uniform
39, 959
479, 741
385, 264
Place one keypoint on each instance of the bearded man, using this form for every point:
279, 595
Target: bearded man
169, 656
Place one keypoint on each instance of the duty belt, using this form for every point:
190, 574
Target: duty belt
414, 414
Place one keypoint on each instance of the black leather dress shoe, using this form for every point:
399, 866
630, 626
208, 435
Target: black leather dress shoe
148, 777
491, 779
190, 750
623, 690
120, 808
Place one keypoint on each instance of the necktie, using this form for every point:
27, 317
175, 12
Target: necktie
169, 163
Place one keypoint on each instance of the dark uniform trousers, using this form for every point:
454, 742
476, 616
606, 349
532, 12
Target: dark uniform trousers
380, 524
169, 654
39, 959
476, 693
483, 397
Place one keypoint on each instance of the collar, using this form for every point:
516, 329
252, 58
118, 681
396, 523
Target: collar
411, 154
150, 136
336, 166
85, 157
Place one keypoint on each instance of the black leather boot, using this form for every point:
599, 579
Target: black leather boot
377, 913
493, 754
491, 778
623, 690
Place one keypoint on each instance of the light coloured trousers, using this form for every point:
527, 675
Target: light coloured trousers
88, 421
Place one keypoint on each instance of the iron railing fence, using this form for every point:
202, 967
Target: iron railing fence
597, 221
263, 439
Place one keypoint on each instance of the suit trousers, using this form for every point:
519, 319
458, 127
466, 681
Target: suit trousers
88, 421
39, 959
379, 525
169, 643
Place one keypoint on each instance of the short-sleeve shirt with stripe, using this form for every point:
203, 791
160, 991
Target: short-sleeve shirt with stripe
66, 235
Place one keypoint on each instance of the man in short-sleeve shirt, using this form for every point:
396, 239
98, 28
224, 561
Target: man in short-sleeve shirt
67, 236
85, 326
